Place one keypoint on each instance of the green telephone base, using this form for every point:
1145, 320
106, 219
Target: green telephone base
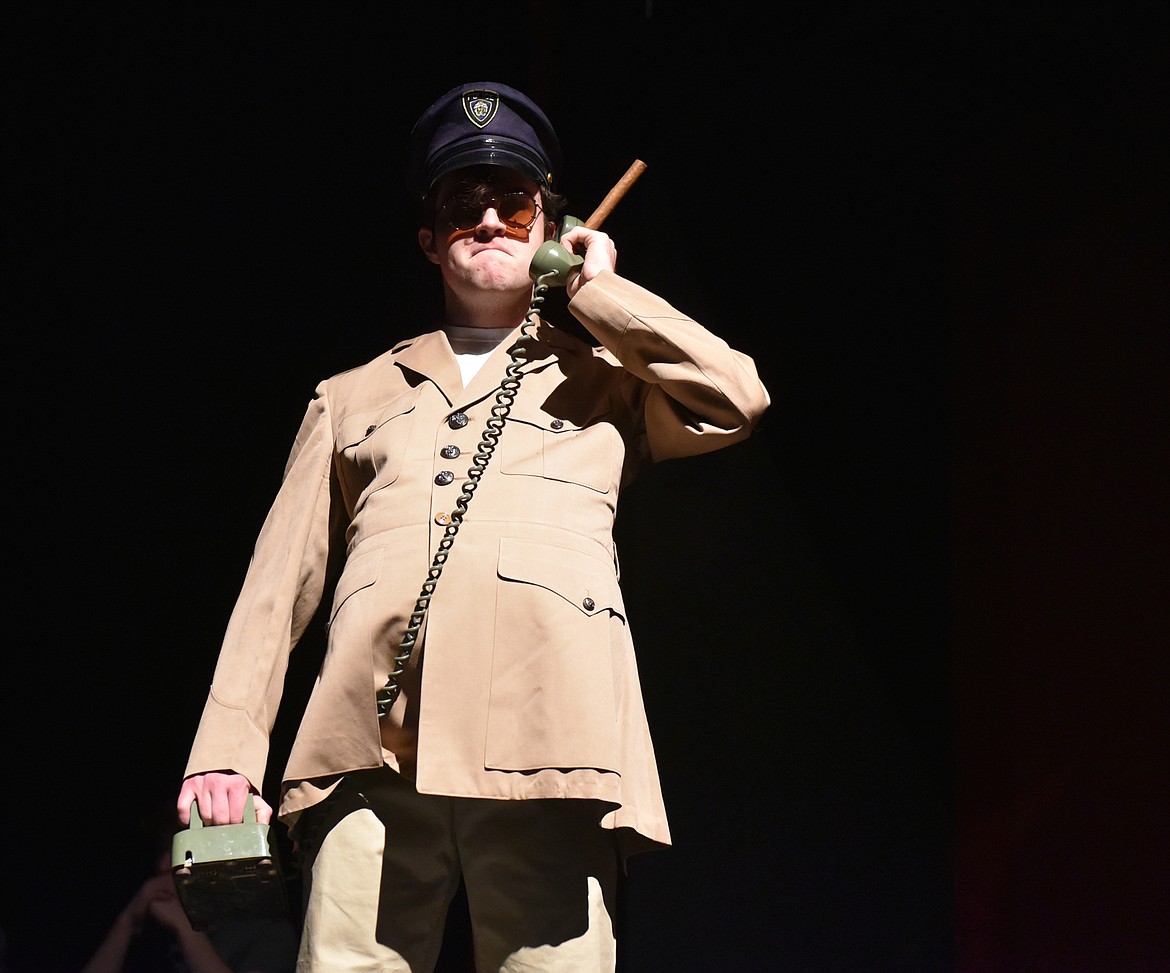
226, 871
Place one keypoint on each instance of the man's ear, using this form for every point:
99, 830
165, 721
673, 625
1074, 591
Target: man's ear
426, 240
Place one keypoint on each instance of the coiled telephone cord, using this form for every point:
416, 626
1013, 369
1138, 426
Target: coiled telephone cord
387, 695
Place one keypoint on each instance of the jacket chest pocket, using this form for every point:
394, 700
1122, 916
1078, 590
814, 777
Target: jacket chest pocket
557, 449
372, 444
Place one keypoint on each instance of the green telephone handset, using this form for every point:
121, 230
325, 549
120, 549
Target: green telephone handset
554, 259
552, 263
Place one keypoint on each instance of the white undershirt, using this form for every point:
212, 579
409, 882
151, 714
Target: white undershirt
472, 346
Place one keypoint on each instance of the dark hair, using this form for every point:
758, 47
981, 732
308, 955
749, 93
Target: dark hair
476, 178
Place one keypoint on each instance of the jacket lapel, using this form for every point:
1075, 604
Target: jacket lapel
430, 355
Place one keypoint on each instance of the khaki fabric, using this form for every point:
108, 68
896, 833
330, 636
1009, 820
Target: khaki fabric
540, 877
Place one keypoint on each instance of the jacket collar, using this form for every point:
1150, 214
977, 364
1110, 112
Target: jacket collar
430, 355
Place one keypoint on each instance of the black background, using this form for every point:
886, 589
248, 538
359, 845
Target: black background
903, 651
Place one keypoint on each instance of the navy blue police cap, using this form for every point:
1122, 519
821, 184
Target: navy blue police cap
483, 123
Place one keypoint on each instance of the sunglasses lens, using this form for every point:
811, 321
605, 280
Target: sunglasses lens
463, 212
517, 209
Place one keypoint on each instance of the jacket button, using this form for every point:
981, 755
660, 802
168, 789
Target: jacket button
589, 604
457, 420
445, 478
557, 424
449, 452
442, 519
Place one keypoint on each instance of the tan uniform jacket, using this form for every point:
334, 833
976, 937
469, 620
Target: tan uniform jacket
531, 685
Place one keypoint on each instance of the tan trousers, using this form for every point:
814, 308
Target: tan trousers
540, 877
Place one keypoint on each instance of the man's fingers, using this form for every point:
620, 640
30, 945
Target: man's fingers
263, 810
187, 794
221, 798
226, 793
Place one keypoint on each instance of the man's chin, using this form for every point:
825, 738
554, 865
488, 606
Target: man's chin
498, 271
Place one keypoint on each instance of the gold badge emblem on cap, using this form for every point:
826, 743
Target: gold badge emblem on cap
480, 106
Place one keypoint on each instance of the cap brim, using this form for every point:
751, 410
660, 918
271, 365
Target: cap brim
486, 153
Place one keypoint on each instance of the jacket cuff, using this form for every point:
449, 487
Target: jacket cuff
247, 752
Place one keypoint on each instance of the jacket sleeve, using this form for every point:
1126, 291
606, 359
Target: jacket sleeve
283, 587
700, 394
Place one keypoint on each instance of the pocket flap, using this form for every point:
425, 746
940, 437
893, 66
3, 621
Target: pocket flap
585, 580
359, 426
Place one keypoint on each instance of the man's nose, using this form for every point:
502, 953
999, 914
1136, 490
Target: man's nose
490, 221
